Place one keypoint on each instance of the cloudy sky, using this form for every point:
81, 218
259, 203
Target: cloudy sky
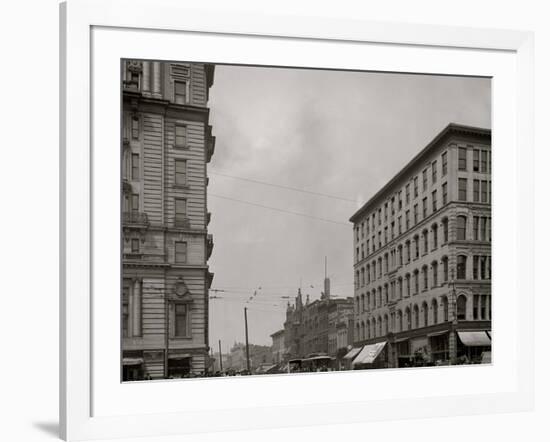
338, 137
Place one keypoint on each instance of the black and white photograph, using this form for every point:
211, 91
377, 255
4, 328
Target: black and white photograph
284, 220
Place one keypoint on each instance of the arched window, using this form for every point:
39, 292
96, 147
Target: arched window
408, 284
416, 246
362, 277
400, 287
386, 294
379, 326
434, 274
399, 320
424, 277
408, 318
368, 273
386, 263
367, 329
425, 240
400, 254
445, 224
362, 330
380, 267
461, 227
425, 314
434, 311
416, 281
434, 236
357, 279
362, 303
445, 262
367, 301
408, 251
386, 327
416, 315
357, 332
461, 308
461, 267
445, 303
373, 325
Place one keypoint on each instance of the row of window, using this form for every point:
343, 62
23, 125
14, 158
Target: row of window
180, 132
411, 284
481, 192
423, 316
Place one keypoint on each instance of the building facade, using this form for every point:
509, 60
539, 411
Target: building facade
422, 254
278, 346
310, 328
166, 145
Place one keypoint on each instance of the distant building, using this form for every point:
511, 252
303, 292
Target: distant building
422, 254
278, 347
166, 144
308, 329
259, 355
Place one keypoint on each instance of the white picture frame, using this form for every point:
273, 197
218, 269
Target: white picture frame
91, 407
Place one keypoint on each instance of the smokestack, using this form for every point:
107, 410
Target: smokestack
327, 282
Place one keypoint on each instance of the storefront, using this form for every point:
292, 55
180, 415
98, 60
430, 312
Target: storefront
439, 347
472, 345
347, 360
179, 366
132, 369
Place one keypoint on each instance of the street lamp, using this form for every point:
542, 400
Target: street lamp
454, 321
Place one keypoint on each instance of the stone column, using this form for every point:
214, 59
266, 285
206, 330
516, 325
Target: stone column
156, 79
146, 83
136, 311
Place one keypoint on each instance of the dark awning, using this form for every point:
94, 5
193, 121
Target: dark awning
474, 338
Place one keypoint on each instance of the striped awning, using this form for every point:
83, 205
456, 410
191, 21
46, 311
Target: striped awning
353, 352
369, 353
474, 338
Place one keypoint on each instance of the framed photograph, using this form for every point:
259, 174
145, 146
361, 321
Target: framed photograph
327, 220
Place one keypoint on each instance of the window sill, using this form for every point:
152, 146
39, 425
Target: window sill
181, 147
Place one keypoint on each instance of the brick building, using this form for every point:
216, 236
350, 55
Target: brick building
422, 254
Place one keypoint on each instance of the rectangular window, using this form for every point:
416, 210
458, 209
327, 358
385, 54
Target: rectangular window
135, 166
415, 214
181, 252
135, 245
399, 229
475, 269
476, 305
181, 320
476, 228
181, 135
424, 180
415, 184
483, 235
379, 216
476, 161
407, 220
462, 189
483, 267
484, 198
407, 194
434, 201
476, 191
181, 172
462, 158
385, 211
444, 164
181, 210
434, 172
180, 92
125, 312
483, 167
399, 200
444, 194
424, 208
135, 202
135, 128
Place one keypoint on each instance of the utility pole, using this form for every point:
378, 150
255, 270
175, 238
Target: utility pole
220, 352
246, 340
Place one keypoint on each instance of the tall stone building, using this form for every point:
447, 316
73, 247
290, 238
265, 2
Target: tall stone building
422, 253
166, 145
